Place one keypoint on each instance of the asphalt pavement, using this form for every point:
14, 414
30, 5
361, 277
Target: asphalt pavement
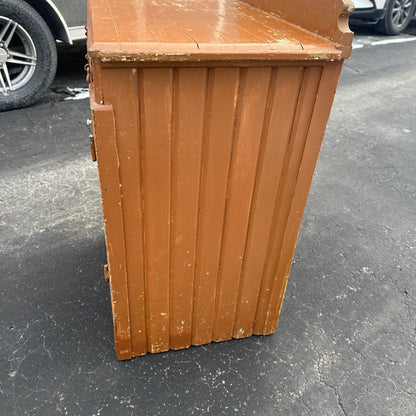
346, 339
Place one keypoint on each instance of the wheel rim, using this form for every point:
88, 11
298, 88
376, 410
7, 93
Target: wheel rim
17, 56
401, 12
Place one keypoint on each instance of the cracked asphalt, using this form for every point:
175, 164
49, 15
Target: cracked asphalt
346, 339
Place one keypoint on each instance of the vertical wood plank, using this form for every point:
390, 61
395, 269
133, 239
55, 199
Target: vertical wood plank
254, 92
108, 163
219, 125
119, 84
285, 85
325, 94
188, 126
293, 156
156, 95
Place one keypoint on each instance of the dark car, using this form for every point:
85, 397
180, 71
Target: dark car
390, 16
29, 30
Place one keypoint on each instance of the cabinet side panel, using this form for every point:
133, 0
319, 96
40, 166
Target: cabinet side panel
120, 88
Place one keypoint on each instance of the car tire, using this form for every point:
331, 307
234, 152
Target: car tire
397, 17
28, 56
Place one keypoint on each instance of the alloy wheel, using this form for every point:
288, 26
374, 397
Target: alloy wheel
17, 56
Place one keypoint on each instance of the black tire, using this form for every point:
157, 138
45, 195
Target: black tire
397, 18
46, 56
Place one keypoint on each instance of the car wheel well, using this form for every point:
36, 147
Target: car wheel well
53, 18
388, 25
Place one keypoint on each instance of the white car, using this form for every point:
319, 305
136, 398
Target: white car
29, 30
391, 16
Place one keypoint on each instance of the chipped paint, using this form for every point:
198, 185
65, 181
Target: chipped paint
165, 177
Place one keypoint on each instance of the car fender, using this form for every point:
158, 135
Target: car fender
53, 18
369, 4
380, 4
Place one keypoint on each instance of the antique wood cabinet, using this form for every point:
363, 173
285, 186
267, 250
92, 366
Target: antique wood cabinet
208, 118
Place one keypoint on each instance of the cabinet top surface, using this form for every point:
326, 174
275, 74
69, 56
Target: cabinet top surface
196, 30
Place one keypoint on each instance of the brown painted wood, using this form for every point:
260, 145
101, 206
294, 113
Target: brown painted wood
328, 19
294, 151
218, 144
253, 92
156, 96
127, 126
276, 133
108, 168
312, 143
140, 30
208, 118
190, 87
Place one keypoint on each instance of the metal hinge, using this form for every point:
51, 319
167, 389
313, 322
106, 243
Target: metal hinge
93, 150
88, 69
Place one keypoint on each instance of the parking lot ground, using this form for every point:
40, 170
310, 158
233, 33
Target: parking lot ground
346, 340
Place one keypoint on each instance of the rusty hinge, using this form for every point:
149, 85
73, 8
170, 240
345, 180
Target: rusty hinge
92, 146
88, 69
89, 75
106, 275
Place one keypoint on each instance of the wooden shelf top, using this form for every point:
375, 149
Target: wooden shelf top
197, 30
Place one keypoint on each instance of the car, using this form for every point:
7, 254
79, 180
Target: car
390, 16
29, 30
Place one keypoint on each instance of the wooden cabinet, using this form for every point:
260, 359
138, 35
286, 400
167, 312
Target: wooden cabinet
208, 117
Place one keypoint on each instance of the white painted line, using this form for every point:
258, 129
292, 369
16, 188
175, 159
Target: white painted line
387, 41
80, 93
357, 44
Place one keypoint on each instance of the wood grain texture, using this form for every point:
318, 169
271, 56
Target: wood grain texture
294, 151
328, 18
156, 96
284, 94
127, 126
188, 131
252, 98
312, 143
109, 174
183, 31
218, 144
